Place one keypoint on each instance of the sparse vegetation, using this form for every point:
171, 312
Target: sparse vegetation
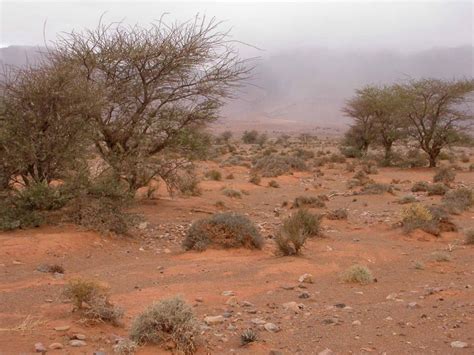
469, 237
459, 200
248, 336
337, 214
275, 165
232, 193
308, 201
274, 184
223, 230
168, 320
295, 230
445, 175
358, 274
213, 175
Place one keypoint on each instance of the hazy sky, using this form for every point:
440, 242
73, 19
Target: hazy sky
395, 25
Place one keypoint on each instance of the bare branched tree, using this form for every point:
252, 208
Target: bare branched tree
436, 111
44, 113
154, 82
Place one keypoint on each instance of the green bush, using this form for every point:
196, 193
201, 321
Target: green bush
445, 175
295, 230
170, 319
223, 230
358, 274
459, 200
213, 175
275, 165
250, 137
437, 189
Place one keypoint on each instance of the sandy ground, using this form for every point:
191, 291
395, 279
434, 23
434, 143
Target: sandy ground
407, 311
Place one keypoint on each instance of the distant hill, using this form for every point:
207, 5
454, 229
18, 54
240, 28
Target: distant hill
308, 87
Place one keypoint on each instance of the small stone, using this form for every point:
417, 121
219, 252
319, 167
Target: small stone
62, 328
247, 304
258, 321
56, 346
293, 306
39, 348
271, 327
199, 299
356, 322
306, 278
275, 352
143, 225
228, 293
77, 343
232, 301
340, 305
288, 287
413, 305
458, 344
79, 336
211, 320
326, 352
167, 251
304, 295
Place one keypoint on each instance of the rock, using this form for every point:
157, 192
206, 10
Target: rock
356, 322
458, 344
326, 352
199, 299
275, 352
271, 327
62, 328
293, 306
232, 301
56, 346
413, 305
306, 278
211, 320
79, 336
77, 343
228, 293
247, 304
143, 225
288, 287
40, 348
258, 321
304, 295
340, 305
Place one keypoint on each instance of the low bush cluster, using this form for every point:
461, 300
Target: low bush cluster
223, 230
275, 165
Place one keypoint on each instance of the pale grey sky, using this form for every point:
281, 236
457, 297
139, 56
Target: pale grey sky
393, 25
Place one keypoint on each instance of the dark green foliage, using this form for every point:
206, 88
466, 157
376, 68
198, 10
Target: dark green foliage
223, 230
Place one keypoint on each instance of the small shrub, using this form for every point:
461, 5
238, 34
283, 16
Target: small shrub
219, 204
441, 256
304, 154
50, 268
230, 176
188, 185
416, 216
358, 274
469, 237
445, 175
419, 265
213, 175
125, 347
458, 201
414, 158
370, 167
255, 179
274, 184
337, 214
376, 189
232, 193
41, 197
308, 201
407, 199
104, 215
471, 167
90, 293
420, 186
248, 336
437, 189
225, 230
275, 165
170, 319
250, 137
337, 158
295, 230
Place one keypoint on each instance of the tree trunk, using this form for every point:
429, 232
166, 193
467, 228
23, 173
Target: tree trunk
432, 162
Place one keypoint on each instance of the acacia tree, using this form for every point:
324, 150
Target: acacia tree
362, 132
436, 112
154, 82
44, 113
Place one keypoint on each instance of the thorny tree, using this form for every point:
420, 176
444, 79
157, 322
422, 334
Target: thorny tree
436, 112
157, 83
44, 112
